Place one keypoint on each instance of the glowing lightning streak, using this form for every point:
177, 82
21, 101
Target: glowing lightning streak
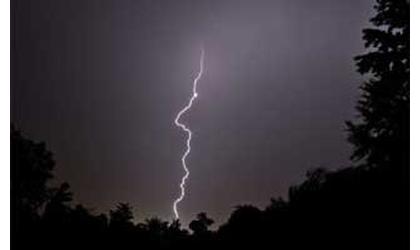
184, 127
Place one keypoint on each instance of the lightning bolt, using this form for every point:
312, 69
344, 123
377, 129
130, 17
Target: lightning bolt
189, 133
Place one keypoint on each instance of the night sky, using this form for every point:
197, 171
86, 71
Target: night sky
101, 81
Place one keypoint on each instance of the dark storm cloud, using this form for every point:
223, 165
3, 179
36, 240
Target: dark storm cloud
101, 82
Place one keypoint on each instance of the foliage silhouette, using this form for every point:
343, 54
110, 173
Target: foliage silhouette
364, 206
380, 136
32, 166
122, 216
200, 225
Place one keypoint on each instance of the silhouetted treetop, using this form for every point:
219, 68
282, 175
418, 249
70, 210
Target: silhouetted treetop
201, 224
122, 215
31, 168
380, 135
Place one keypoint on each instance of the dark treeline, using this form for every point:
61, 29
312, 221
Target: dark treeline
363, 206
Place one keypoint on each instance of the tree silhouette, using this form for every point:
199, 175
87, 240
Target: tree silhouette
122, 216
31, 168
58, 208
201, 224
380, 136
243, 228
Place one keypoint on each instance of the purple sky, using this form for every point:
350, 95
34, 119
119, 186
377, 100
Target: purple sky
101, 81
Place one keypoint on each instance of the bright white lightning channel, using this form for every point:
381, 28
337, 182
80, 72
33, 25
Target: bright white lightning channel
189, 133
